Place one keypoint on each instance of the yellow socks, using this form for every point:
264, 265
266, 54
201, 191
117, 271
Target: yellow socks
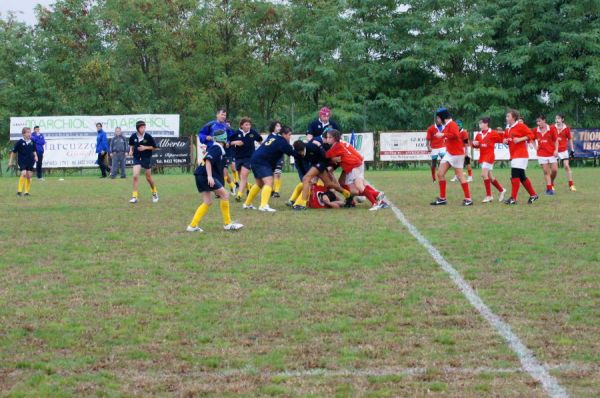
21, 184
276, 185
346, 193
200, 212
297, 192
225, 212
252, 194
236, 176
301, 201
134, 194
154, 190
265, 195
27, 184
320, 183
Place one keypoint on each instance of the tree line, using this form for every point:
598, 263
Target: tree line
378, 64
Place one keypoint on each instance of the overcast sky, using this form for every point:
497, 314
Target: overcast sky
22, 8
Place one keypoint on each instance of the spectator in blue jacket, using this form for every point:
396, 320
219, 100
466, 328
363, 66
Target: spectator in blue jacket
102, 149
40, 147
207, 131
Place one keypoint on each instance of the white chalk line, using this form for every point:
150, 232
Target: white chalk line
528, 360
357, 372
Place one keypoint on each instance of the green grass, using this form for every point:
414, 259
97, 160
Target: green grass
101, 298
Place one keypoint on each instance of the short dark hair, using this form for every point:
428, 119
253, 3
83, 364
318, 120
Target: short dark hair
514, 113
273, 125
335, 134
245, 120
485, 120
561, 115
541, 116
98, 124
36, 127
299, 146
221, 110
286, 130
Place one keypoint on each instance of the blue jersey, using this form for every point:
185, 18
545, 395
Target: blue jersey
216, 155
269, 153
247, 150
316, 127
208, 130
25, 151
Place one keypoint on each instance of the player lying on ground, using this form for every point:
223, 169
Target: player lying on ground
486, 141
351, 162
209, 178
312, 164
263, 163
455, 158
26, 158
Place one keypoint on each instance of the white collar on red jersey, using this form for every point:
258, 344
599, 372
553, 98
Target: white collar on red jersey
447, 123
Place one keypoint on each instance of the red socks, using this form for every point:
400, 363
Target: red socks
488, 187
529, 187
570, 183
516, 184
442, 189
548, 187
470, 172
433, 173
465, 187
370, 194
497, 185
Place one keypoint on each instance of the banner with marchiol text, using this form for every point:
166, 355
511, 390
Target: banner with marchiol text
71, 140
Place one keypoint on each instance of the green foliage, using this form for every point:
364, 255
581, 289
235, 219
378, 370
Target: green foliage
377, 64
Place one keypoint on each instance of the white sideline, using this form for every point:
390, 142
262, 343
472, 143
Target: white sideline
528, 361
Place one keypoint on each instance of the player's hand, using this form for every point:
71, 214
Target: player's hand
555, 154
317, 143
211, 182
209, 138
10, 164
475, 144
336, 159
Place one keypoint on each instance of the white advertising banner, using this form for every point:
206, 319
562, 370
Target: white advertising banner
502, 153
71, 140
397, 146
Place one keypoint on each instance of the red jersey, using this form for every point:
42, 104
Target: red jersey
487, 142
314, 202
454, 142
546, 141
351, 159
435, 141
518, 130
564, 136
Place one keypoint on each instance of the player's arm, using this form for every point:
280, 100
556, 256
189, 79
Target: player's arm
10, 158
208, 165
151, 147
204, 134
131, 145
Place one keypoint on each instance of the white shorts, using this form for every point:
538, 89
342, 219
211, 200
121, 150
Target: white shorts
547, 160
356, 173
519, 163
563, 155
456, 161
437, 152
487, 166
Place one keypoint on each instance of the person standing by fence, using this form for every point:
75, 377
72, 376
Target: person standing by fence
40, 147
118, 148
102, 149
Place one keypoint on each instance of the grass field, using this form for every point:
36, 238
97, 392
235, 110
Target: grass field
101, 298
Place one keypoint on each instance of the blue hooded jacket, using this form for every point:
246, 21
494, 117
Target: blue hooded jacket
40, 141
209, 130
102, 142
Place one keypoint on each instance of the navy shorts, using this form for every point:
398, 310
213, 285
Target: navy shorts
245, 162
26, 166
228, 160
321, 166
202, 184
262, 170
279, 166
146, 163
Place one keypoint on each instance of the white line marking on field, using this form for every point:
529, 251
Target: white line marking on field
529, 362
365, 372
